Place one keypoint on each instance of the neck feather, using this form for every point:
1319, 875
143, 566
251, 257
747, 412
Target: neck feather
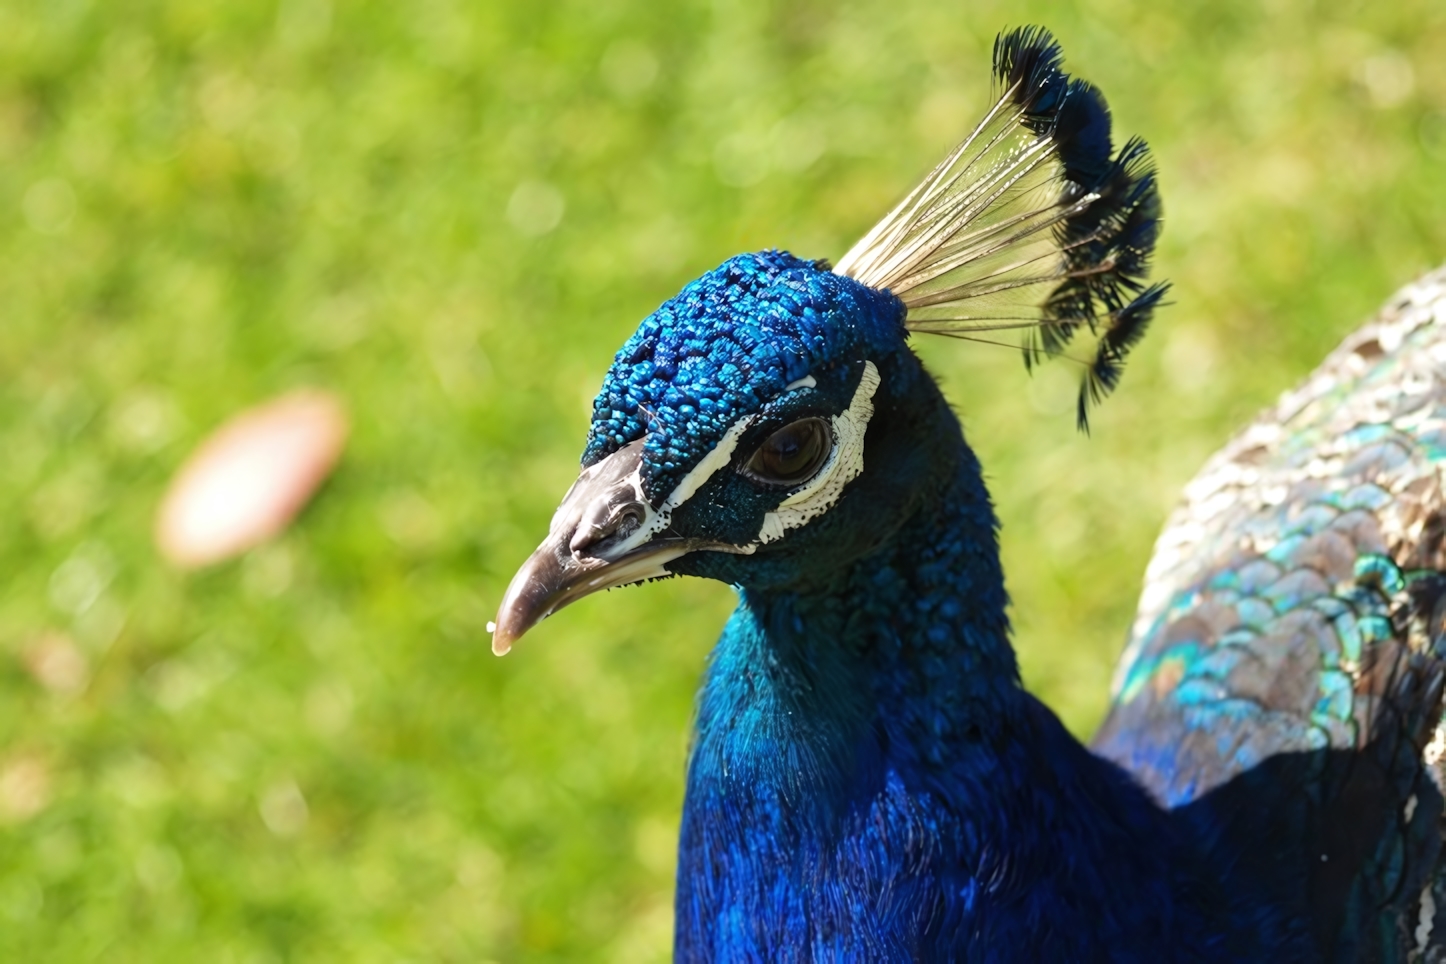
900, 659
870, 780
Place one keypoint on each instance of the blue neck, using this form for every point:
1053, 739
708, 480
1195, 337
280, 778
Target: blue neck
870, 781
901, 659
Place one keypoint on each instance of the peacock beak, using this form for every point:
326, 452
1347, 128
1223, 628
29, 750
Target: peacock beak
604, 534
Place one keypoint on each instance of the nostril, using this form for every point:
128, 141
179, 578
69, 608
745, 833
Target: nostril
621, 522
585, 536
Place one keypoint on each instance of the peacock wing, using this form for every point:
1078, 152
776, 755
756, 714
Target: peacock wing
1281, 687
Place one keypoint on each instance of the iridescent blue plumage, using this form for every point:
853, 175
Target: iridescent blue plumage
869, 780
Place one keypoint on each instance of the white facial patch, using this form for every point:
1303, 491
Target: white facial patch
844, 464
655, 521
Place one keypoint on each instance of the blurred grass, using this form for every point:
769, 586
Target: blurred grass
452, 214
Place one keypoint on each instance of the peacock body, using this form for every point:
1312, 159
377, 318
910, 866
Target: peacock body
869, 780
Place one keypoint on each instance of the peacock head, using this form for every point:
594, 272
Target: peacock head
758, 428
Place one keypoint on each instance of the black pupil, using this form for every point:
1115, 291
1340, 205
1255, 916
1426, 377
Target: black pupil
792, 453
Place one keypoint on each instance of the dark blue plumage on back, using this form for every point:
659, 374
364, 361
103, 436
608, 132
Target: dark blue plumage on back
869, 780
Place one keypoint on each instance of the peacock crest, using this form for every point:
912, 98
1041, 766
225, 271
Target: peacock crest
1034, 223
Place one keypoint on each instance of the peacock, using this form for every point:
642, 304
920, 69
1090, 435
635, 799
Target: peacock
868, 778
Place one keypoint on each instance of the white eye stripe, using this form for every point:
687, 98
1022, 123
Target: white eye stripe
655, 521
844, 464
722, 453
708, 466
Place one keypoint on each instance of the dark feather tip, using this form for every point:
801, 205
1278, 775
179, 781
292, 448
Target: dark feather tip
1026, 63
1082, 134
1126, 327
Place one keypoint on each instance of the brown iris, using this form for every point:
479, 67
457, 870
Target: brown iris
792, 454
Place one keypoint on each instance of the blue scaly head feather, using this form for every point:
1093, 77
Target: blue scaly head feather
727, 343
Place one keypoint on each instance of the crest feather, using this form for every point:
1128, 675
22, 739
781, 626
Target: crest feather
1033, 223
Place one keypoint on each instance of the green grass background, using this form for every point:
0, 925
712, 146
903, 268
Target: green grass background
451, 214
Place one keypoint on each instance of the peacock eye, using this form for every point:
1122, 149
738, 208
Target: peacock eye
792, 454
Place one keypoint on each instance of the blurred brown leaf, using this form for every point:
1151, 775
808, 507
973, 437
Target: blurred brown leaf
250, 478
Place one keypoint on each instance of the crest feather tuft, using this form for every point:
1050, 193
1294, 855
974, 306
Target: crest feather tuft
1034, 223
